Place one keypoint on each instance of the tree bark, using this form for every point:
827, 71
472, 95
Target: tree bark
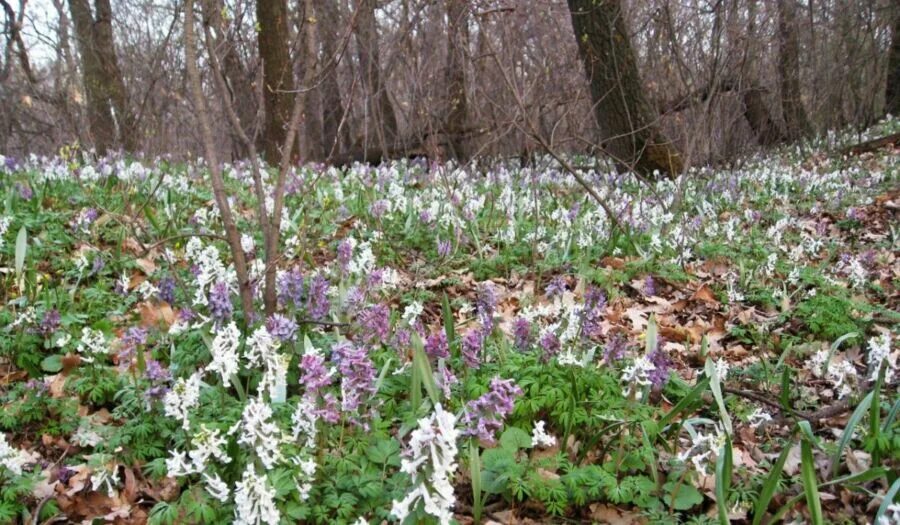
312, 102
336, 138
795, 119
100, 117
380, 109
278, 77
457, 47
114, 84
892, 93
627, 122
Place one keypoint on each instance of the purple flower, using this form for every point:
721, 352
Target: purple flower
472, 344
379, 208
444, 248
10, 164
445, 380
522, 333
97, 265
156, 372
315, 375
318, 304
356, 298
659, 376
375, 324
50, 322
485, 303
556, 287
134, 336
330, 411
550, 345
357, 375
649, 286
436, 346
290, 287
615, 348
166, 289
484, 417
282, 328
220, 306
592, 315
25, 191
344, 254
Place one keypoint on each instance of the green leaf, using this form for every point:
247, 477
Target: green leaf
383, 451
849, 429
21, 249
686, 497
716, 387
475, 474
52, 363
449, 328
768, 489
684, 403
808, 476
423, 367
514, 438
889, 498
724, 465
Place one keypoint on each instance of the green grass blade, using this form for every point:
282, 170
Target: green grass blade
849, 429
684, 403
724, 465
808, 476
420, 363
768, 489
716, 387
21, 249
475, 474
889, 498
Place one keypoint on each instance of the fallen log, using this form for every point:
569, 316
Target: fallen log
872, 145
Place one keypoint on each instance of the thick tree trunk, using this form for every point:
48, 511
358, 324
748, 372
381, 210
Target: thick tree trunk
100, 117
278, 77
380, 110
795, 119
627, 122
336, 138
312, 102
114, 84
457, 46
892, 93
765, 129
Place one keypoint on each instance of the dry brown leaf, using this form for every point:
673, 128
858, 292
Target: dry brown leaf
705, 294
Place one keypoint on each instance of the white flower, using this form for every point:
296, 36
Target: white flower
636, 376
431, 463
147, 290
758, 417
183, 396
540, 438
259, 432
262, 351
177, 465
247, 243
303, 422
92, 344
254, 500
208, 443
216, 487
14, 459
880, 353
412, 312
703, 447
892, 516
225, 353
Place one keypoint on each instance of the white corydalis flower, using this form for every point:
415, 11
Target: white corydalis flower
880, 353
254, 500
183, 396
703, 448
216, 487
431, 465
636, 376
540, 437
262, 351
225, 353
259, 432
14, 459
92, 344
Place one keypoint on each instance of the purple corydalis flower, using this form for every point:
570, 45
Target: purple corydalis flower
615, 348
318, 304
156, 372
375, 324
220, 306
50, 322
436, 346
485, 303
330, 411
659, 376
97, 265
282, 328
444, 248
290, 287
472, 344
166, 289
522, 333
134, 336
379, 208
10, 164
550, 345
344, 254
484, 417
25, 191
357, 375
315, 375
649, 286
556, 287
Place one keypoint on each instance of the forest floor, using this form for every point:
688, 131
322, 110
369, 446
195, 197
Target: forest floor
480, 344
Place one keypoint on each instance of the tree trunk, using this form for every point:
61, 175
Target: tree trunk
114, 84
336, 138
380, 111
278, 77
627, 123
892, 93
457, 47
100, 117
312, 102
765, 129
795, 119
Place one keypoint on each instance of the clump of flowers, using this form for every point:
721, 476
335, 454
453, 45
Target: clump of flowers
484, 417
431, 463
